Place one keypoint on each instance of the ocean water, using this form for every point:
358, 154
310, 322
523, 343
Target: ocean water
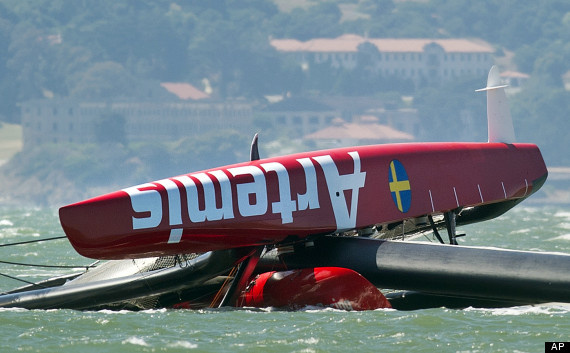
517, 329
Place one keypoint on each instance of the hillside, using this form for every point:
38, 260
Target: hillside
10, 141
67, 48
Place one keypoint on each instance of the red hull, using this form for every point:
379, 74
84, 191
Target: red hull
267, 201
333, 287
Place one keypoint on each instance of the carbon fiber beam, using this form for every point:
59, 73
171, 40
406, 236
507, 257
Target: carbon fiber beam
452, 270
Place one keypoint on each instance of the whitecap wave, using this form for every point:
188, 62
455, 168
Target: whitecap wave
562, 214
564, 225
320, 309
542, 309
13, 309
137, 341
521, 231
561, 237
183, 344
115, 312
310, 340
154, 311
6, 223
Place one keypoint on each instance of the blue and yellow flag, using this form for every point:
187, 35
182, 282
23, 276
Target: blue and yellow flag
400, 186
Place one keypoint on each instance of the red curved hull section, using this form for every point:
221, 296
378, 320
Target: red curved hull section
333, 287
267, 201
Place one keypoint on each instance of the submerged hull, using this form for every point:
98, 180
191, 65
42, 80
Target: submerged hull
338, 272
104, 289
334, 287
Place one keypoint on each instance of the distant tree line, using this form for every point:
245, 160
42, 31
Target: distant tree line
67, 47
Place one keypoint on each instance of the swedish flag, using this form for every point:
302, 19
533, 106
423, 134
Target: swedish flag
400, 186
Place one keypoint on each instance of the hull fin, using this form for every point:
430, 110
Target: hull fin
499, 120
254, 151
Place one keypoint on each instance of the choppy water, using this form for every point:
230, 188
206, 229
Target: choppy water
519, 329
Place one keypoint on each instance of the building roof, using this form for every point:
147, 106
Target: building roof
367, 129
349, 43
298, 104
184, 90
514, 74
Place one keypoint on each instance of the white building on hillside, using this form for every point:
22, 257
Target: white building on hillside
171, 111
421, 60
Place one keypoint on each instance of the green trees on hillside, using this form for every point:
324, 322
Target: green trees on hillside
48, 46
98, 50
540, 115
63, 173
103, 80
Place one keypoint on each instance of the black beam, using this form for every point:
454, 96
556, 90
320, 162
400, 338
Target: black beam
453, 270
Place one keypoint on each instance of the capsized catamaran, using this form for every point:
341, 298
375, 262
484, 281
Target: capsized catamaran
325, 228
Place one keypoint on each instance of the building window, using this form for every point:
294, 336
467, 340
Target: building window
54, 127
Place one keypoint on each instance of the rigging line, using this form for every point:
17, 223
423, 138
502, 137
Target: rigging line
21, 280
218, 295
434, 229
425, 234
33, 241
142, 272
145, 272
47, 266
